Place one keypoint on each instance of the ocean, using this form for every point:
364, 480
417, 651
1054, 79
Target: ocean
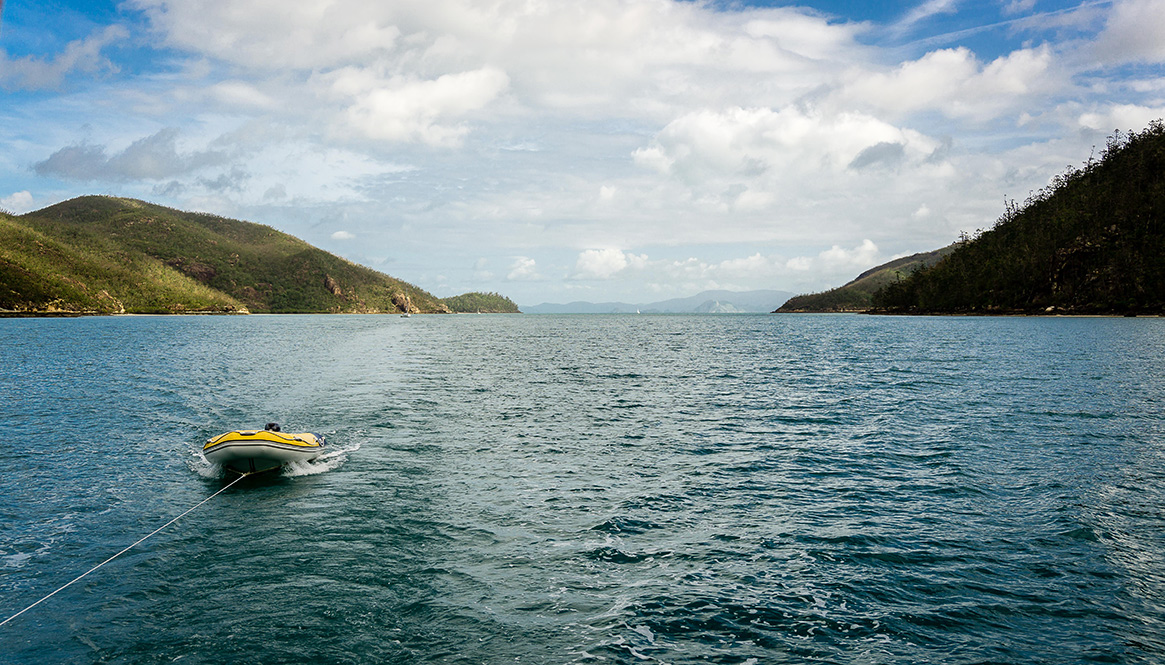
743, 489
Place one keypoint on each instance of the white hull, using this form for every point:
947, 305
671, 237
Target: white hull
250, 451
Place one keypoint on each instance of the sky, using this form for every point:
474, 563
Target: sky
556, 150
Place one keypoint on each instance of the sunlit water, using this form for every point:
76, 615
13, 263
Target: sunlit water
588, 489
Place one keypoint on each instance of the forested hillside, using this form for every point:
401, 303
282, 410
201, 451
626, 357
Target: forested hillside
1092, 242
484, 303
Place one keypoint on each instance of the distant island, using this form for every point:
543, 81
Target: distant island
109, 255
707, 302
1092, 242
482, 303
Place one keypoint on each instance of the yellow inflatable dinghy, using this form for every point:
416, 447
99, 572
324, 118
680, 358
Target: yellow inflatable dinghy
254, 450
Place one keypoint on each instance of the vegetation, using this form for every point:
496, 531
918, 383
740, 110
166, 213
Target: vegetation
857, 295
100, 254
485, 303
1092, 242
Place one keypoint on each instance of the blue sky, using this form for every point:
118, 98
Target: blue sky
553, 151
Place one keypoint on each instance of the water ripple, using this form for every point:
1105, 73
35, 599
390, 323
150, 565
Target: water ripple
557, 489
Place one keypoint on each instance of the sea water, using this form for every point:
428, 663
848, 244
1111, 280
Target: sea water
588, 489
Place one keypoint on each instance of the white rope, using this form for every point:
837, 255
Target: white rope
135, 544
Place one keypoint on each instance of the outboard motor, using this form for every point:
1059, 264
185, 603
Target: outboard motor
272, 427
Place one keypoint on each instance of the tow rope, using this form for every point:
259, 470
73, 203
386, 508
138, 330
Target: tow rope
130, 547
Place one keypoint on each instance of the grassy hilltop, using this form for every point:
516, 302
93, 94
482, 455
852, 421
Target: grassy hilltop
1092, 242
99, 254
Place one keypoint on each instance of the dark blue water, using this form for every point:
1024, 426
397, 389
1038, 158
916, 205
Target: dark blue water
588, 489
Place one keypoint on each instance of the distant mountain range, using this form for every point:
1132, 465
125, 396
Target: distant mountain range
708, 302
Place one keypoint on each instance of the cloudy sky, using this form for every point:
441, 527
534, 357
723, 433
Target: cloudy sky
556, 150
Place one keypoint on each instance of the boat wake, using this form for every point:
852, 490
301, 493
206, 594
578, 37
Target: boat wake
328, 461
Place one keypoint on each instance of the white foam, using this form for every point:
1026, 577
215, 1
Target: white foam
329, 461
199, 465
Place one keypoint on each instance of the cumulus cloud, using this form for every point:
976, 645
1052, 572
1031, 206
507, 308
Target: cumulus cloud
955, 83
838, 260
1121, 117
151, 158
17, 202
606, 263
81, 56
342, 235
418, 110
297, 35
1134, 32
523, 269
745, 144
415, 71
543, 128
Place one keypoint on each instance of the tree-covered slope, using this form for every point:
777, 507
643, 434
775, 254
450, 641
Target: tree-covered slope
857, 295
1092, 242
106, 254
485, 303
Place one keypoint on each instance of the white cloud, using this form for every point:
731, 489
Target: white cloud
405, 110
523, 269
17, 202
259, 34
860, 257
439, 131
746, 142
605, 263
342, 235
838, 260
955, 83
1121, 117
752, 160
928, 9
1134, 32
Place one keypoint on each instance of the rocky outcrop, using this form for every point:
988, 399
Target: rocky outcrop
403, 302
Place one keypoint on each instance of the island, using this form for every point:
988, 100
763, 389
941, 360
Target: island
111, 255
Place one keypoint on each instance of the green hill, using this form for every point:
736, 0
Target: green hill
1092, 242
484, 303
857, 295
99, 254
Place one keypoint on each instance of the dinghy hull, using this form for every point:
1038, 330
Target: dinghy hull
251, 451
